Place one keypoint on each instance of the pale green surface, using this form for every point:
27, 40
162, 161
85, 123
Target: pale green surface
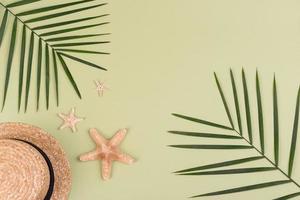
163, 56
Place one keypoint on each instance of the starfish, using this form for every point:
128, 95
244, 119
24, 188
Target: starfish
70, 120
107, 151
100, 87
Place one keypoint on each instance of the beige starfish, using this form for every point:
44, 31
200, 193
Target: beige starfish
100, 87
70, 120
107, 151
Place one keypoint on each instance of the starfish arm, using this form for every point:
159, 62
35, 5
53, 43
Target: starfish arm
98, 83
106, 169
125, 158
97, 138
62, 116
64, 125
92, 155
118, 137
73, 127
78, 120
72, 112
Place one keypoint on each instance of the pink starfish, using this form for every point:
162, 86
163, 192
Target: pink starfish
107, 151
100, 87
70, 120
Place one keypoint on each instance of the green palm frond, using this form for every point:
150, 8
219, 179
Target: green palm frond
232, 166
57, 39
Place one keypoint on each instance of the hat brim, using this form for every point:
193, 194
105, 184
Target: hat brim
50, 146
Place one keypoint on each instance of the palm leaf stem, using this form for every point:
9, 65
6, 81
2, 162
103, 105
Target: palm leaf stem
274, 165
18, 18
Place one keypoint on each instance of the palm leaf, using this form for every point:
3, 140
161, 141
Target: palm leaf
67, 22
208, 146
78, 44
29, 67
55, 76
81, 51
236, 102
21, 3
53, 16
202, 121
60, 14
72, 37
260, 115
49, 8
276, 123
224, 101
3, 26
68, 30
9, 60
245, 188
288, 196
247, 106
221, 164
47, 75
196, 171
21, 72
294, 136
208, 135
233, 171
39, 73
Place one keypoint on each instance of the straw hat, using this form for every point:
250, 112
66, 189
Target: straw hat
33, 165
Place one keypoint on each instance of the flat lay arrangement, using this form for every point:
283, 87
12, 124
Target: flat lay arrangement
152, 100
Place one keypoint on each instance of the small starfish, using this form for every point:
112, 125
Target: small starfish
107, 151
100, 87
70, 120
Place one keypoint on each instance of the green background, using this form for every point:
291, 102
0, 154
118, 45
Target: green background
163, 55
